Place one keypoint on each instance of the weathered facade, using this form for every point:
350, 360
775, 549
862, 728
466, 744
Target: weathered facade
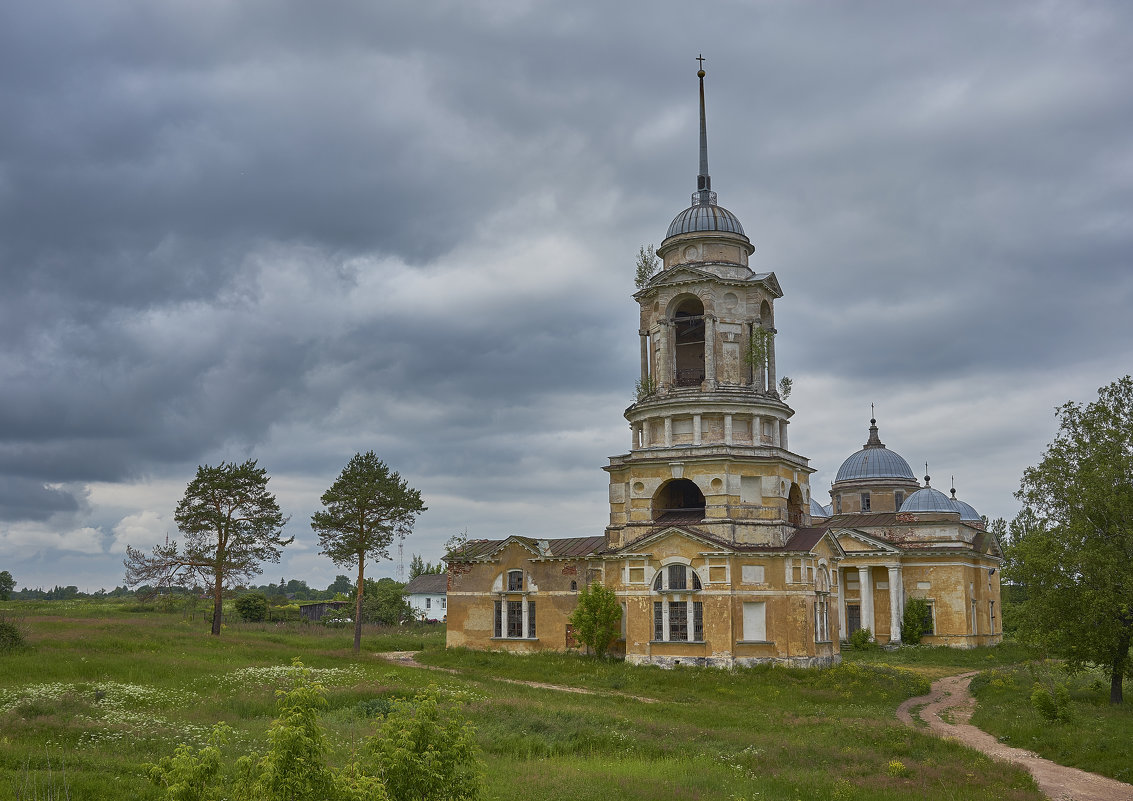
715, 548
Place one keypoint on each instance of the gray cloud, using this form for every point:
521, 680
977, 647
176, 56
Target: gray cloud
292, 232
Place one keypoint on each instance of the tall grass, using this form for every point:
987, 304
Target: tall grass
111, 690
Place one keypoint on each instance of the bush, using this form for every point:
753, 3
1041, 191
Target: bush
597, 619
861, 640
253, 607
1053, 707
916, 622
11, 636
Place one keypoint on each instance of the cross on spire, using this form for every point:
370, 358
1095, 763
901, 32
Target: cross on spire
701, 59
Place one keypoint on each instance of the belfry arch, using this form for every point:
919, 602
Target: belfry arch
678, 497
688, 341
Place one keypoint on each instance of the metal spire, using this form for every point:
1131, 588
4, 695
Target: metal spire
704, 195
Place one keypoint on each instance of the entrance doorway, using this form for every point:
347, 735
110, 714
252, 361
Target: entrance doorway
853, 618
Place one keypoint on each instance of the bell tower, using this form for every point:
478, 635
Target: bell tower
709, 430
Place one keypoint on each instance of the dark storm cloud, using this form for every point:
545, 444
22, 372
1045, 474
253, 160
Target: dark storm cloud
291, 230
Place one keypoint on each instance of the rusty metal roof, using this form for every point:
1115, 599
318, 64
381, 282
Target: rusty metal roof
560, 548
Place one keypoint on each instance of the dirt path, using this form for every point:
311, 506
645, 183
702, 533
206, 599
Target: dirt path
407, 659
1058, 782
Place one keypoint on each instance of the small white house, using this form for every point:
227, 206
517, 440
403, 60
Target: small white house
427, 596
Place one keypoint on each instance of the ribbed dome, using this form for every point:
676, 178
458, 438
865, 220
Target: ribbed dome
817, 509
705, 217
874, 461
928, 500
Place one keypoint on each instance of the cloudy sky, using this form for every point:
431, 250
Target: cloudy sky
291, 231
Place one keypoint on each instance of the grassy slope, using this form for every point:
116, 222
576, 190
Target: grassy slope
1098, 737
767, 734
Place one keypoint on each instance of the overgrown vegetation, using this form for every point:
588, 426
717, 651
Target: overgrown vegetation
597, 618
1062, 716
916, 621
771, 734
647, 264
11, 635
252, 607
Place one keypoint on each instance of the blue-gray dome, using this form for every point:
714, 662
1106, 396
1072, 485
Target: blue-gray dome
928, 500
967, 512
874, 461
817, 509
705, 217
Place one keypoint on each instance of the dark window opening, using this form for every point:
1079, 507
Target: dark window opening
688, 342
515, 581
678, 621
658, 621
679, 498
531, 619
865, 502
676, 577
515, 618
697, 621
898, 499
499, 628
573, 586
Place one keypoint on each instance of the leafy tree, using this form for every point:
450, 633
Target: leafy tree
785, 387
597, 618
7, 584
419, 567
916, 622
647, 263
384, 602
365, 508
231, 524
341, 584
252, 607
1075, 545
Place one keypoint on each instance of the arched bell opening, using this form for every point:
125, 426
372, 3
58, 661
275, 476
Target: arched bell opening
688, 342
679, 500
795, 508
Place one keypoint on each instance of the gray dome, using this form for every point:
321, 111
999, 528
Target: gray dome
817, 509
874, 463
967, 512
705, 217
928, 500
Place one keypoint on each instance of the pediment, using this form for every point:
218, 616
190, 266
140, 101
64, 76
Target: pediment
658, 535
853, 541
769, 281
681, 275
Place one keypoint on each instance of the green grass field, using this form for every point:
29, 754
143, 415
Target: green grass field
103, 689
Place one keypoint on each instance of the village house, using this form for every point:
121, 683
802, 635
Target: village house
716, 548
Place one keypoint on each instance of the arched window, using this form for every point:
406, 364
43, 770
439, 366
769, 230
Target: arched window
688, 342
795, 507
677, 617
678, 498
514, 614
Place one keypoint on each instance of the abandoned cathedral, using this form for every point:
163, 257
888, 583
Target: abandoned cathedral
716, 548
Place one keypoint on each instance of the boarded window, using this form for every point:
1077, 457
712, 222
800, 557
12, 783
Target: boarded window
750, 490
636, 573
752, 574
676, 577
717, 574
755, 621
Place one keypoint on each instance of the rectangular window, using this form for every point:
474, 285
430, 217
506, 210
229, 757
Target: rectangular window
444, 603
898, 499
975, 623
717, 574
499, 627
515, 618
698, 621
428, 603
991, 615
838, 505
531, 619
755, 621
865, 501
930, 619
678, 621
658, 621
635, 573
821, 615
752, 574
515, 581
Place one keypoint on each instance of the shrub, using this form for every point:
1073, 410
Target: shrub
861, 640
252, 607
11, 637
916, 622
1054, 706
597, 618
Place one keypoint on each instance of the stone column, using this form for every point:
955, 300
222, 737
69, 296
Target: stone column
645, 433
775, 433
727, 429
757, 430
866, 593
696, 435
665, 356
523, 609
841, 603
783, 434
771, 361
710, 350
635, 437
749, 331
895, 592
668, 432
644, 357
